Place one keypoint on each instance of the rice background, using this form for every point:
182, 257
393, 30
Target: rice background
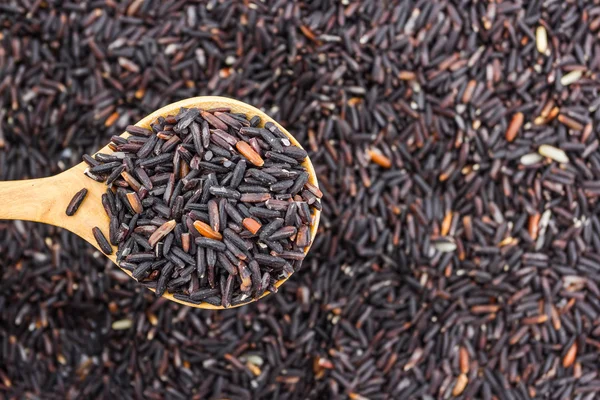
456, 257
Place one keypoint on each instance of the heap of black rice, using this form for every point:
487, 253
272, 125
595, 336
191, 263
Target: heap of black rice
207, 205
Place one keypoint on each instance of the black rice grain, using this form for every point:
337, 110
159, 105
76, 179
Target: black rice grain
76, 202
102, 241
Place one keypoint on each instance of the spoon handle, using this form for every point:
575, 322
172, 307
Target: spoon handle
30, 200
46, 200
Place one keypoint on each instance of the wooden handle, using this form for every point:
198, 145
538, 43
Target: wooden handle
30, 200
45, 200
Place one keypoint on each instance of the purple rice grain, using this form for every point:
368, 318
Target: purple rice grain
102, 242
76, 202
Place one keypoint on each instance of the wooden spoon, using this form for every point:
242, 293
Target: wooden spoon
46, 199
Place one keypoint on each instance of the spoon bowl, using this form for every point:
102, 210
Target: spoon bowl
45, 200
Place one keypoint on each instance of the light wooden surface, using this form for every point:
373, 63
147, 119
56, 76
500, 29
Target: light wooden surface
46, 199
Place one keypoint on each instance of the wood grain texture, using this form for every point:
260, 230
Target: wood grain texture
45, 200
